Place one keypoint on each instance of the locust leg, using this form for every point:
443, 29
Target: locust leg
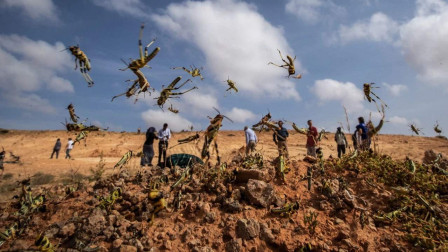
181, 85
217, 152
181, 93
142, 57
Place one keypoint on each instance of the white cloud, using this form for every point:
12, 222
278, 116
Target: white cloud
133, 8
378, 28
398, 120
157, 118
35, 9
310, 11
424, 41
240, 115
241, 53
395, 90
200, 103
346, 93
28, 66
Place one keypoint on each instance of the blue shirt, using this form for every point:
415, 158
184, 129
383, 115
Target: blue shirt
363, 128
283, 133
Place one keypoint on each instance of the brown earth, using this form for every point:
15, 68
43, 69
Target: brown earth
203, 225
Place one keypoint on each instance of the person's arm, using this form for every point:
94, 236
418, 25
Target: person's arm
246, 134
273, 136
169, 134
256, 138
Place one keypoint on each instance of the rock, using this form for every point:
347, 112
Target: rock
117, 243
266, 234
260, 193
67, 230
138, 244
111, 220
244, 175
234, 245
167, 245
429, 157
247, 229
344, 233
232, 206
348, 199
19, 245
210, 217
128, 248
338, 221
96, 222
109, 232
193, 243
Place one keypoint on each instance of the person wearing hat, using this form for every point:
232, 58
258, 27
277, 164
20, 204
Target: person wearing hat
341, 141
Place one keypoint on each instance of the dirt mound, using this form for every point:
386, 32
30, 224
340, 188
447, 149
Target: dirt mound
363, 202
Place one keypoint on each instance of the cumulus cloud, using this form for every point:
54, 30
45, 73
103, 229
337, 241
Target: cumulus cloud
423, 41
346, 93
134, 8
378, 28
398, 120
158, 117
241, 53
28, 66
310, 11
395, 90
38, 10
239, 115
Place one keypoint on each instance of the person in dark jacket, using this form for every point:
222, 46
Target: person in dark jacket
341, 141
280, 137
56, 148
148, 149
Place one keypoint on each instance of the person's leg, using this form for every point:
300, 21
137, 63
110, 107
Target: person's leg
165, 148
343, 149
51, 157
252, 147
57, 154
150, 154
247, 148
339, 151
66, 153
285, 147
313, 151
160, 152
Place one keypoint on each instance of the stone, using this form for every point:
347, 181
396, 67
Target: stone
167, 245
266, 234
234, 245
429, 157
128, 248
68, 230
19, 245
247, 229
210, 217
117, 243
232, 206
96, 222
259, 193
244, 175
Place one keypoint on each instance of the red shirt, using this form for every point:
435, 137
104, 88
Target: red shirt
312, 132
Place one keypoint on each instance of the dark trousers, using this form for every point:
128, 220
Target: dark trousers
163, 146
148, 154
57, 153
67, 153
341, 150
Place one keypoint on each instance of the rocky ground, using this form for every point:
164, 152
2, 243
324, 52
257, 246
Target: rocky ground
363, 202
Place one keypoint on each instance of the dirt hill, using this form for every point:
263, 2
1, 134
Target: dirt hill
367, 202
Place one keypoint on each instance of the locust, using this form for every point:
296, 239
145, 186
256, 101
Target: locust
303, 131
84, 63
178, 200
194, 72
322, 134
175, 111
211, 134
9, 233
289, 208
124, 160
231, 85
437, 129
282, 168
73, 116
288, 65
309, 176
410, 164
265, 118
184, 176
82, 135
43, 244
375, 130
144, 58
130, 92
186, 140
109, 201
159, 203
391, 215
168, 91
415, 129
367, 88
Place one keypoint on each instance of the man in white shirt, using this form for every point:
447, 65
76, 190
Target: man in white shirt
164, 135
251, 140
68, 148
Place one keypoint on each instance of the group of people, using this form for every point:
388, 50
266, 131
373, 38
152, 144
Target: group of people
360, 139
57, 148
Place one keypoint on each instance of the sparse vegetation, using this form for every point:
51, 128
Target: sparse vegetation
41, 178
8, 176
99, 169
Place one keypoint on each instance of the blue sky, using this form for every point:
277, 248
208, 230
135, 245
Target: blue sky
399, 45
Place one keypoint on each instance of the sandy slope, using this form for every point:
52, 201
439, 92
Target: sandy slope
34, 148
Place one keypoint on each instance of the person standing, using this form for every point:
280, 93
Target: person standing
280, 136
311, 140
362, 132
341, 141
164, 135
251, 140
68, 148
56, 148
148, 149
